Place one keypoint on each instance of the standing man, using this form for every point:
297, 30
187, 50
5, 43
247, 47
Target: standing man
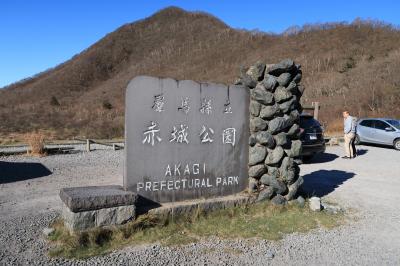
349, 134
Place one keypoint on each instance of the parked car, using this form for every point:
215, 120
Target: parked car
384, 131
312, 137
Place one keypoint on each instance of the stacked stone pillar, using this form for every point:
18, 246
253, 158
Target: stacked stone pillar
274, 129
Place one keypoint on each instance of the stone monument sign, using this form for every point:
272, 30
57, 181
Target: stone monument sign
185, 140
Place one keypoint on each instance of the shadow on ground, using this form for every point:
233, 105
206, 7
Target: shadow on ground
322, 158
13, 172
321, 183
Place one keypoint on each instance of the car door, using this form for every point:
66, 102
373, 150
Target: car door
381, 135
365, 130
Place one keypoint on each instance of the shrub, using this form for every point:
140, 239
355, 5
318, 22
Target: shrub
36, 143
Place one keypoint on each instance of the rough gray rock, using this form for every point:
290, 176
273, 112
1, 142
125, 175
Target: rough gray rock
289, 170
294, 131
315, 204
298, 77
270, 83
278, 186
269, 111
247, 81
274, 156
278, 200
301, 202
265, 138
273, 171
281, 139
293, 188
253, 185
252, 140
288, 106
286, 65
255, 108
265, 194
331, 209
257, 170
48, 231
256, 72
277, 124
257, 154
295, 149
281, 94
257, 124
262, 96
284, 79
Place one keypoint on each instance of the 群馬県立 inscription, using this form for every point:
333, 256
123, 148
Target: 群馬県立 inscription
185, 140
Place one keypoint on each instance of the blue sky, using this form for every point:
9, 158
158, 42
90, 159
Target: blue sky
37, 35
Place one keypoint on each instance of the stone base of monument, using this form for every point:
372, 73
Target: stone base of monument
172, 209
88, 207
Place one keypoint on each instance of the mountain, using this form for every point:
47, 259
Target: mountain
345, 66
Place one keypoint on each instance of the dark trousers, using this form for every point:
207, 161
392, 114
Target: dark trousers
353, 147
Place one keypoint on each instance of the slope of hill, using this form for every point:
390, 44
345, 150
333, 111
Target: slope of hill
345, 66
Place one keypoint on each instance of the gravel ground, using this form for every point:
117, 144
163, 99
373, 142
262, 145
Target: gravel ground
368, 185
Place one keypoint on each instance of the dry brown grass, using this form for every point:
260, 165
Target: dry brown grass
36, 142
345, 66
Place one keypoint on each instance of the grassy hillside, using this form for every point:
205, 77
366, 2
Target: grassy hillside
345, 66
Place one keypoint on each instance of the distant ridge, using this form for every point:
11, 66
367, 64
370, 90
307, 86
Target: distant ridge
353, 66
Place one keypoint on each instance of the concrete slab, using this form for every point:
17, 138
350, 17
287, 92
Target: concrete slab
79, 199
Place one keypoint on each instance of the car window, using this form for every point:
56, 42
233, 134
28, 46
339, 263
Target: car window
308, 122
380, 125
366, 123
395, 123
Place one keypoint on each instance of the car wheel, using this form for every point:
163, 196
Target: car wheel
396, 144
357, 140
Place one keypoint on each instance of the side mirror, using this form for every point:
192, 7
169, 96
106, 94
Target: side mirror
388, 129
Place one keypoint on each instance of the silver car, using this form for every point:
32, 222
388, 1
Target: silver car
384, 131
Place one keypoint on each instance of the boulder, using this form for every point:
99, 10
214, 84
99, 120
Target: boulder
256, 72
301, 202
284, 79
281, 139
292, 87
274, 156
270, 83
301, 89
257, 154
281, 94
293, 188
297, 77
265, 138
294, 131
48, 231
265, 194
273, 171
289, 170
315, 204
286, 65
278, 186
248, 82
288, 106
252, 140
278, 200
269, 111
257, 170
257, 124
262, 96
277, 124
255, 108
295, 149
253, 185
